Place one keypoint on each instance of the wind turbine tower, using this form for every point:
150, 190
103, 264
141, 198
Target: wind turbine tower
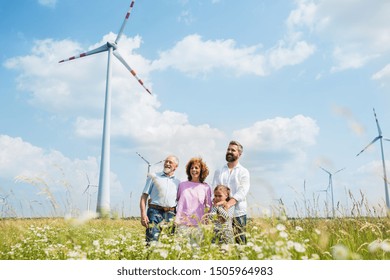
380, 138
330, 186
103, 202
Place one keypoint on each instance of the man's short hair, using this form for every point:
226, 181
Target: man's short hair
236, 143
175, 158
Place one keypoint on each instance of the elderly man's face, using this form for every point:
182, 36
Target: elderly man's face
169, 165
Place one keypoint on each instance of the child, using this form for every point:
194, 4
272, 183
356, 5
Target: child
222, 217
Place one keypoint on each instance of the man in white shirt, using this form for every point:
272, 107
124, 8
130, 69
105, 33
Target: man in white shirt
236, 177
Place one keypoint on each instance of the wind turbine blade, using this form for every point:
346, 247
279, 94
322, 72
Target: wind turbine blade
143, 158
339, 170
94, 51
131, 70
377, 123
89, 182
86, 189
372, 142
386, 139
326, 170
124, 22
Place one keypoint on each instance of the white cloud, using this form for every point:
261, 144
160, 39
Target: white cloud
283, 56
383, 74
349, 59
287, 134
304, 15
48, 3
21, 158
195, 56
276, 150
50, 172
186, 17
358, 30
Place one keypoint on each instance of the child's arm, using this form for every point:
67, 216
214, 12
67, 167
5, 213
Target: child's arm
223, 213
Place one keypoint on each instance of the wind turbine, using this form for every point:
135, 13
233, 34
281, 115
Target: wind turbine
330, 185
149, 164
103, 202
380, 137
326, 199
3, 202
87, 190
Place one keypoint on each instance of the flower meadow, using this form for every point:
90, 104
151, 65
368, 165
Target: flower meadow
363, 238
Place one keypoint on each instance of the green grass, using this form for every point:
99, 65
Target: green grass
268, 238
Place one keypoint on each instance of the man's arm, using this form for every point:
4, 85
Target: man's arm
243, 186
142, 206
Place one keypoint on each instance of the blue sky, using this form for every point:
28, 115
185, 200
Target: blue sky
294, 81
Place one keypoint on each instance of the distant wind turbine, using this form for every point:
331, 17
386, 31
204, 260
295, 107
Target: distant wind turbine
330, 186
148, 163
3, 202
326, 198
88, 192
380, 137
103, 202
3, 199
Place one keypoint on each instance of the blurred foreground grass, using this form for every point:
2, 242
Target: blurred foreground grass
268, 238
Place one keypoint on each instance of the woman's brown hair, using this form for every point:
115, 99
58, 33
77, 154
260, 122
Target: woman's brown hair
204, 170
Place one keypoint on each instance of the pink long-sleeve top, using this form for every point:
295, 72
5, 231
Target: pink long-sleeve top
193, 201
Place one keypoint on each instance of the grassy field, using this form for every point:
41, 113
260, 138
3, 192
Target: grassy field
123, 239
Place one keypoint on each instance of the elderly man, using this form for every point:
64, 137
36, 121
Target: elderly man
236, 177
161, 189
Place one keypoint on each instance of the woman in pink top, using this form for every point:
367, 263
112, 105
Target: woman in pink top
194, 195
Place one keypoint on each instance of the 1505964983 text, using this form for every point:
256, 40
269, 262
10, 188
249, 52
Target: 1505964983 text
236, 270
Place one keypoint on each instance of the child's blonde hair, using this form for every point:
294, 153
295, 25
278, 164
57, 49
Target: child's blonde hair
224, 189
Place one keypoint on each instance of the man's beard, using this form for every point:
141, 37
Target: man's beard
231, 158
167, 170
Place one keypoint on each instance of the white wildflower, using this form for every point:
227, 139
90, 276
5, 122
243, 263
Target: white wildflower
73, 255
283, 234
225, 247
164, 254
315, 257
281, 227
298, 228
257, 249
340, 252
385, 246
279, 243
299, 247
273, 230
374, 246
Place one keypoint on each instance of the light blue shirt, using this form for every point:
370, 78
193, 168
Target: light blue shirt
162, 189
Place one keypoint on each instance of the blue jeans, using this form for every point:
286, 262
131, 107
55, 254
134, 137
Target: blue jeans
155, 218
239, 225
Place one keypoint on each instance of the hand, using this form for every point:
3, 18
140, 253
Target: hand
145, 221
219, 203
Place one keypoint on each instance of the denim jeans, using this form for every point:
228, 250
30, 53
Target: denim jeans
239, 225
155, 218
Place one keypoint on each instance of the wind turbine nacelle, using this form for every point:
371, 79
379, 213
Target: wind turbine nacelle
112, 45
